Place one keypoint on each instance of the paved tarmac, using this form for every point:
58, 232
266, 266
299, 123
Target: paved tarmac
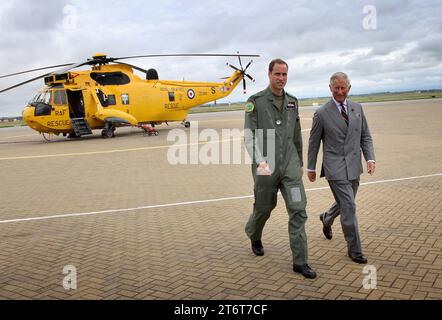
134, 226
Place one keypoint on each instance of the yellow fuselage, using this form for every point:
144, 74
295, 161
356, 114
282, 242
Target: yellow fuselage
134, 100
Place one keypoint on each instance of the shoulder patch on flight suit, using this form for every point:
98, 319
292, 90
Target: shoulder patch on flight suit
249, 106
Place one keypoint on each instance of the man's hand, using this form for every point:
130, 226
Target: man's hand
263, 169
311, 176
371, 166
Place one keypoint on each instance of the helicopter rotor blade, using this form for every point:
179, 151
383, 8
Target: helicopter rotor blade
38, 69
75, 65
70, 66
233, 67
244, 85
104, 60
248, 65
240, 63
187, 55
250, 77
24, 82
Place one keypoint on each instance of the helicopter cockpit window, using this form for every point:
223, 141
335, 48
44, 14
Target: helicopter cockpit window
47, 97
42, 103
34, 99
42, 97
110, 78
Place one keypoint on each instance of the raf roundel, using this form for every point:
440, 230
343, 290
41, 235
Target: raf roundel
190, 94
249, 107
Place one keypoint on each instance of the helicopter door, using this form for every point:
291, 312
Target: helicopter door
76, 103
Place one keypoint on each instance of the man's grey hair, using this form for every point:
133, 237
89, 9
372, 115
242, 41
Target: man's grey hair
339, 75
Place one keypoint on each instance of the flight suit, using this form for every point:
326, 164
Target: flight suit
267, 126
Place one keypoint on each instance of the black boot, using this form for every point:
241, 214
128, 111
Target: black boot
305, 270
257, 248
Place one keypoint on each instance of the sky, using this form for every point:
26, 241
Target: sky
382, 45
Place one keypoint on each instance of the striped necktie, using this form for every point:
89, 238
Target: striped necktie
344, 114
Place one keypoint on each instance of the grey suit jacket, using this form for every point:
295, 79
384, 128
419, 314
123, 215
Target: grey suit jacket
341, 144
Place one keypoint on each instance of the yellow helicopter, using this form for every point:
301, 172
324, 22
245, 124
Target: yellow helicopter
110, 95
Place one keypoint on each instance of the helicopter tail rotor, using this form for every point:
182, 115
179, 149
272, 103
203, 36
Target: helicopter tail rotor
243, 72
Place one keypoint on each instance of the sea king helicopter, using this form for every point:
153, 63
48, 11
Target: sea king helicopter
111, 95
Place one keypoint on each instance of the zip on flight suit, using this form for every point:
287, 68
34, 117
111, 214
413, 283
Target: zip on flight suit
273, 134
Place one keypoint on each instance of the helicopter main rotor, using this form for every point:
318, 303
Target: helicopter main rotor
102, 59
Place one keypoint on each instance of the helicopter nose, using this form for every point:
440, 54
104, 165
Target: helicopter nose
28, 113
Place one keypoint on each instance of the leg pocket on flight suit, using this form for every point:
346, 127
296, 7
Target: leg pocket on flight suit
295, 196
265, 199
295, 193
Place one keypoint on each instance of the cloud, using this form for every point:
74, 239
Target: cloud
30, 15
316, 38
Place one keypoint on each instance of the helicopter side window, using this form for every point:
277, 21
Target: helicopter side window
111, 100
110, 78
102, 97
59, 97
42, 109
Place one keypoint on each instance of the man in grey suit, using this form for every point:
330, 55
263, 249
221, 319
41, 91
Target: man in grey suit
342, 127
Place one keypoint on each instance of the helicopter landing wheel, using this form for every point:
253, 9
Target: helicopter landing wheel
152, 132
108, 133
187, 124
149, 130
49, 136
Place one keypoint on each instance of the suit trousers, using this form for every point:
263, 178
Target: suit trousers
344, 192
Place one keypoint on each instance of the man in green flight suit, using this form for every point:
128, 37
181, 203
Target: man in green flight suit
272, 135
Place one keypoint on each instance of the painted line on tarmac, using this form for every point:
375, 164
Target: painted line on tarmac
25, 135
209, 120
74, 154
168, 205
111, 151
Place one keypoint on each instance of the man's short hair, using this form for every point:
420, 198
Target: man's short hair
275, 61
340, 75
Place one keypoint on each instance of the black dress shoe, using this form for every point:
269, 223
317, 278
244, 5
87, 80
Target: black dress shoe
257, 248
328, 233
359, 258
305, 270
